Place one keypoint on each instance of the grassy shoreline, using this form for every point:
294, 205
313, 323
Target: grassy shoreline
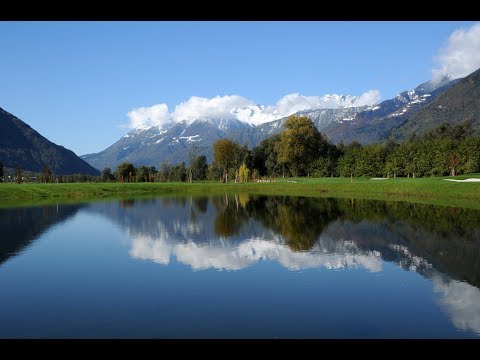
423, 190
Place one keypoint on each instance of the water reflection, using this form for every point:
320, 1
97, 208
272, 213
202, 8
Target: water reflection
21, 226
234, 232
460, 301
224, 257
421, 238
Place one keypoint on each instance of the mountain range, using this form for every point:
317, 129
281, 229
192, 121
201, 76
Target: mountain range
345, 122
22, 146
347, 119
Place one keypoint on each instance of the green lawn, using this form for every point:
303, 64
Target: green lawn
423, 190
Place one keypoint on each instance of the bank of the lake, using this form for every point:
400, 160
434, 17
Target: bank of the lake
421, 190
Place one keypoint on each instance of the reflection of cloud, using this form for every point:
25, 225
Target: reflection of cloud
462, 303
249, 252
145, 248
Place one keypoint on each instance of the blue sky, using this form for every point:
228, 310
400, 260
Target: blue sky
75, 82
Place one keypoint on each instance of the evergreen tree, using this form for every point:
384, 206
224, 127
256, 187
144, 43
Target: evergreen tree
107, 175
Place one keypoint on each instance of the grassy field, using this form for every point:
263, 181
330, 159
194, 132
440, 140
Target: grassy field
425, 190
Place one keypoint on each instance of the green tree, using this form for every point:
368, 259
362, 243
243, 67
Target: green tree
199, 168
106, 175
151, 173
179, 173
192, 154
243, 173
163, 174
371, 160
323, 166
392, 164
265, 157
240, 156
1, 171
408, 154
214, 172
125, 172
469, 150
300, 143
143, 173
224, 155
46, 173
18, 175
348, 163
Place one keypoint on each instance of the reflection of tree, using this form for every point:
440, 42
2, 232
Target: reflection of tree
230, 215
447, 238
299, 219
126, 203
201, 203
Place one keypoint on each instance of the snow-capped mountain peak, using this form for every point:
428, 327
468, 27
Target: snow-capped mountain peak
202, 121
296, 103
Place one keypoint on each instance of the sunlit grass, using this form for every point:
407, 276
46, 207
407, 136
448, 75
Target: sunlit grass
421, 190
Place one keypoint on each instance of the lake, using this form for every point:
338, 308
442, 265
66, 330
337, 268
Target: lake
240, 266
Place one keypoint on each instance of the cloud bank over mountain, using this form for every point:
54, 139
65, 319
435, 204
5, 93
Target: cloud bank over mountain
460, 55
243, 109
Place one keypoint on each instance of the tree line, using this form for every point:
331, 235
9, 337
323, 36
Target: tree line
302, 150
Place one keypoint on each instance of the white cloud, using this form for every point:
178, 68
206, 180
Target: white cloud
217, 107
460, 56
243, 109
293, 103
371, 97
149, 116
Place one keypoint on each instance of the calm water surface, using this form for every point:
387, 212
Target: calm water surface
240, 266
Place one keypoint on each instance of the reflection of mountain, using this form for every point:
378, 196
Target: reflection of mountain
447, 238
21, 226
418, 237
234, 232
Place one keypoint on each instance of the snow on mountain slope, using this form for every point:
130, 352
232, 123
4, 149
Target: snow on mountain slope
200, 122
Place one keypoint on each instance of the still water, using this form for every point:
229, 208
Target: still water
240, 266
